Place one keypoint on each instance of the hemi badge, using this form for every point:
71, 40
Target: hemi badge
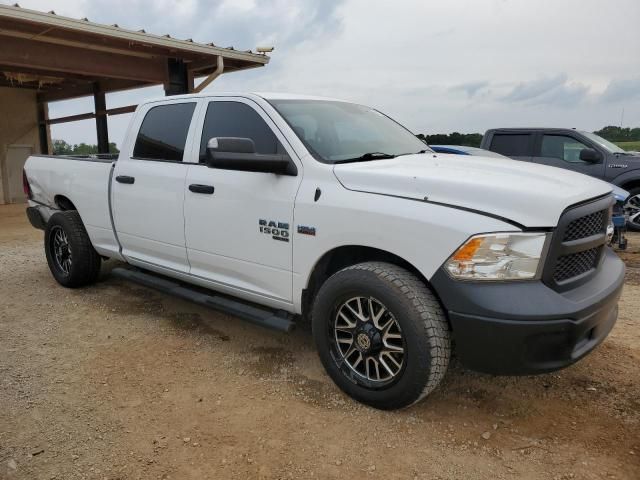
307, 230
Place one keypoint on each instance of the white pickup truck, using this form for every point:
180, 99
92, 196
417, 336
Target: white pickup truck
280, 208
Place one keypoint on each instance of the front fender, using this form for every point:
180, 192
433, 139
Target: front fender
626, 177
422, 234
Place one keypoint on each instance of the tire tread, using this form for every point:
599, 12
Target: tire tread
435, 324
87, 261
427, 324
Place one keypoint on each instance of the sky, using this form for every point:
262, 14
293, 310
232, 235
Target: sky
435, 66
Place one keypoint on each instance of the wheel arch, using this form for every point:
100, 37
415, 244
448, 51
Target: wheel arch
64, 203
631, 184
344, 256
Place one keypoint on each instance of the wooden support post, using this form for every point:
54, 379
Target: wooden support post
102, 128
43, 128
179, 81
190, 81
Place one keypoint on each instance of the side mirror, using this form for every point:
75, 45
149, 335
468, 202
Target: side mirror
589, 155
232, 153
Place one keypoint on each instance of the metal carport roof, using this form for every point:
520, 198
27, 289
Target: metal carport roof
63, 58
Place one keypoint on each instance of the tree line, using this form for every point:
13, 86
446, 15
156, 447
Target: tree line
617, 134
455, 138
60, 147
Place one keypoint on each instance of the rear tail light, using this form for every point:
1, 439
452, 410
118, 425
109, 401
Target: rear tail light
25, 185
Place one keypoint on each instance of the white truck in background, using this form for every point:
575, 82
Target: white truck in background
278, 208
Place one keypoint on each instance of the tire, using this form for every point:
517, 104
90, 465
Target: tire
419, 321
73, 263
632, 207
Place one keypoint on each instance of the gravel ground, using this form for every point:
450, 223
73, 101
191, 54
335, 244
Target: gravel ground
116, 381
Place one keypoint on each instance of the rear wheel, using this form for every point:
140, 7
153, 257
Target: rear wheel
381, 334
71, 257
632, 208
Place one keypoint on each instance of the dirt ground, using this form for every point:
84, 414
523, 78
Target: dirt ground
116, 381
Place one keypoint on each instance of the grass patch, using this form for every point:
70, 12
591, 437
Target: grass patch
629, 145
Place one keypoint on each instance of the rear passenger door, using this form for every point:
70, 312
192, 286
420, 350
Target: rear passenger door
239, 233
518, 146
148, 187
563, 151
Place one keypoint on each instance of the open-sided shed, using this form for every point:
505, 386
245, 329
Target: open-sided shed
46, 57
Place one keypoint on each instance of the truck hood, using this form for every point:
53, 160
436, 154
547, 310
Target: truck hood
525, 193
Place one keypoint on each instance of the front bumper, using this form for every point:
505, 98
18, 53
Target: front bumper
520, 328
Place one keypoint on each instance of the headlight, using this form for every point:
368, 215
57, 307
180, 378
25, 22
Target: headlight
498, 256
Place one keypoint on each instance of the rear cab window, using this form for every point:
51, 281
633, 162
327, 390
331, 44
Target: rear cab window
163, 133
512, 144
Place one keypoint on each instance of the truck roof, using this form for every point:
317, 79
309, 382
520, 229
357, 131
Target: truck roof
264, 95
533, 129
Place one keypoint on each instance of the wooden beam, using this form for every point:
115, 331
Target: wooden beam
13, 84
66, 92
90, 115
196, 65
60, 59
33, 70
120, 110
70, 118
87, 46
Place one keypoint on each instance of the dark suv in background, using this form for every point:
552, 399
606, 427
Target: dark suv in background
576, 150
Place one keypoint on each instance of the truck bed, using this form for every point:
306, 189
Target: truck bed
83, 180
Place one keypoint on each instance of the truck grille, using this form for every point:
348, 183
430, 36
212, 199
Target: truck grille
575, 264
586, 226
577, 244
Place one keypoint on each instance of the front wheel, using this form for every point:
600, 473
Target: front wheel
381, 334
71, 257
632, 209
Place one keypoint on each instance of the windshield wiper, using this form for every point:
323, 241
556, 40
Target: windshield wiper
366, 157
622, 153
412, 153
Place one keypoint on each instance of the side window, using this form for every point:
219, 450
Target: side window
235, 119
163, 133
562, 147
511, 145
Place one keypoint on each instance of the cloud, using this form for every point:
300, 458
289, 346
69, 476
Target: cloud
240, 23
555, 90
470, 88
530, 90
621, 90
567, 95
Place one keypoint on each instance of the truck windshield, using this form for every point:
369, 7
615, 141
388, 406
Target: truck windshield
336, 131
606, 144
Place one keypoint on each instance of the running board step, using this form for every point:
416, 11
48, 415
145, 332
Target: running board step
278, 320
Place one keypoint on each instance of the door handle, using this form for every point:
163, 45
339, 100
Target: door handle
196, 188
125, 179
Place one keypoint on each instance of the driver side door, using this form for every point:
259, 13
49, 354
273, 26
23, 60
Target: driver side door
239, 235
